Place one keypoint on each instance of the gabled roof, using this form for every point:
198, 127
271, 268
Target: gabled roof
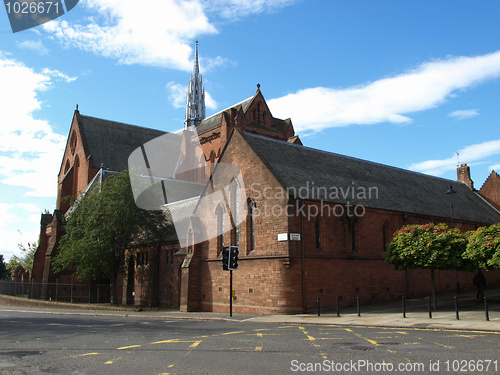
327, 176
215, 120
110, 143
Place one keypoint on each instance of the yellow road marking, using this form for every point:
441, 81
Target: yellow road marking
468, 336
362, 337
128, 347
195, 344
84, 355
110, 362
232, 333
258, 348
444, 346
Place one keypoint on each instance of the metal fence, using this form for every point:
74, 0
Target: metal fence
56, 291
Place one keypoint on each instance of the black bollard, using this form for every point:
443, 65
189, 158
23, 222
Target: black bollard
357, 306
404, 306
429, 306
486, 309
338, 306
456, 308
319, 308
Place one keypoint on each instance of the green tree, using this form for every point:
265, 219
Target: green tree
483, 247
3, 268
26, 259
430, 246
28, 255
104, 224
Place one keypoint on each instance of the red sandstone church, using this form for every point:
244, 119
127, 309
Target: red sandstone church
317, 223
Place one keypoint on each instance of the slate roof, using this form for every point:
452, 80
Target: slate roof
215, 120
327, 176
110, 143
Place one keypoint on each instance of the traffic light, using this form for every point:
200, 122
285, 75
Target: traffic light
233, 257
225, 258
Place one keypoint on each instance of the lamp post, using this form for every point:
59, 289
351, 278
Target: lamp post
452, 192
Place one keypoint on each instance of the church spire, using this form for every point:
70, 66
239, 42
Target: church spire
195, 101
196, 68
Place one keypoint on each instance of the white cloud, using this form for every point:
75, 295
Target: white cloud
11, 222
473, 153
58, 75
177, 96
11, 239
32, 45
464, 114
210, 102
157, 33
388, 99
235, 9
30, 207
30, 151
7, 217
495, 167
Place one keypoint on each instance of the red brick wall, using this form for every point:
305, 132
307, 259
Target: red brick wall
491, 190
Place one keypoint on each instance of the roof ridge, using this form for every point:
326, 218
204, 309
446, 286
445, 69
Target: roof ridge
121, 123
230, 107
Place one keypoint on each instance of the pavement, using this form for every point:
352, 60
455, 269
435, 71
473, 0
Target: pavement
471, 313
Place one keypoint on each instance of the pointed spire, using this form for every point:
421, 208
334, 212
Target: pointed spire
196, 68
195, 102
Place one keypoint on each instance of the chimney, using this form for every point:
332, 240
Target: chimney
463, 175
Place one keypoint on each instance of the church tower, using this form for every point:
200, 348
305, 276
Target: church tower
195, 103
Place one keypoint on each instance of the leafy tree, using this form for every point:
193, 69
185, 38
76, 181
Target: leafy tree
25, 260
430, 246
483, 247
13, 262
28, 256
104, 224
3, 268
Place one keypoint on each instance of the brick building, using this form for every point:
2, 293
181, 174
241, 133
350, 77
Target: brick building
317, 223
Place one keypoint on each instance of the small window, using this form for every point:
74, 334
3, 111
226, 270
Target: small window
317, 229
142, 259
72, 142
219, 213
251, 226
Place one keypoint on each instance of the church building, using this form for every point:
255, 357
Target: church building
316, 225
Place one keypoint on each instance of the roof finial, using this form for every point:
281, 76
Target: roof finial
77, 107
258, 87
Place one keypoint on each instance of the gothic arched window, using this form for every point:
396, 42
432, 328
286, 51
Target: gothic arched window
317, 231
235, 200
250, 225
219, 214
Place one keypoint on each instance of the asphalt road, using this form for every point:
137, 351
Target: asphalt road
61, 344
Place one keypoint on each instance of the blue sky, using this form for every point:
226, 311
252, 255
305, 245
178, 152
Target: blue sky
404, 83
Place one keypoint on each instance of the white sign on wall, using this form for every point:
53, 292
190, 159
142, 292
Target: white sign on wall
282, 236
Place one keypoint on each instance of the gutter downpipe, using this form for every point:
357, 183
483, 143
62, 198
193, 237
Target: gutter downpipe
303, 259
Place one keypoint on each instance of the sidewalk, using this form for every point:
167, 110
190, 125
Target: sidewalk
388, 314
